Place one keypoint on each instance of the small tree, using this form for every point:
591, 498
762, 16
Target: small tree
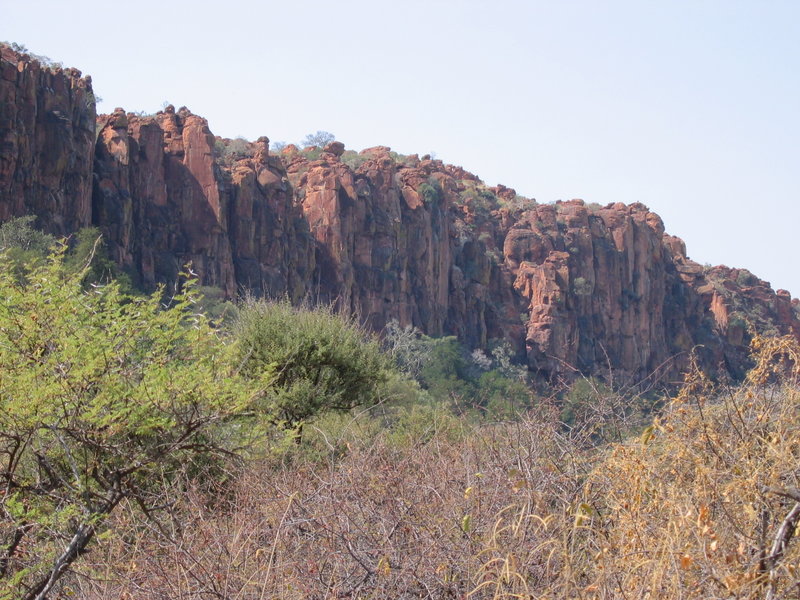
87, 253
319, 139
103, 398
23, 245
317, 360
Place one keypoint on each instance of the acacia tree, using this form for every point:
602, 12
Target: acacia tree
103, 398
319, 139
315, 360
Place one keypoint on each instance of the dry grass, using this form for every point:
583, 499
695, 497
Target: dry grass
698, 507
702, 505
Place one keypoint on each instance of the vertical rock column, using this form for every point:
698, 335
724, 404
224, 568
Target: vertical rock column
47, 133
157, 197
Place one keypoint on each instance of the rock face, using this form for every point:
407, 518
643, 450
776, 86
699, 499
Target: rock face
47, 126
572, 287
604, 290
163, 201
157, 199
383, 249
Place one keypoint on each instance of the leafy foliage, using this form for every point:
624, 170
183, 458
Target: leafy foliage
213, 303
492, 385
24, 246
229, 151
318, 360
88, 254
103, 398
353, 159
431, 191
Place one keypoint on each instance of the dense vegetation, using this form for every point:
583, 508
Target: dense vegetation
148, 452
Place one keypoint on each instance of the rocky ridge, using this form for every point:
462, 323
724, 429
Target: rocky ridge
571, 286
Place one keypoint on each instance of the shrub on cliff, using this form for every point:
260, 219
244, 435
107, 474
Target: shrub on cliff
229, 151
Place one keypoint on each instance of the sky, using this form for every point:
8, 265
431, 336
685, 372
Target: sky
691, 107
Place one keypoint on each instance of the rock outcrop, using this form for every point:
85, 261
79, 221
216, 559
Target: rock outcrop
47, 133
164, 201
573, 287
385, 245
605, 291
157, 199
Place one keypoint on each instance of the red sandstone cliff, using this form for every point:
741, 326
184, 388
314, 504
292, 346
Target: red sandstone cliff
569, 285
47, 126
164, 201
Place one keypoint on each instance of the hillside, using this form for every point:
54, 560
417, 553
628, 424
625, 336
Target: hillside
310, 440
569, 285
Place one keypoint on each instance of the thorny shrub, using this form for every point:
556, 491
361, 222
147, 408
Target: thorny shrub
703, 504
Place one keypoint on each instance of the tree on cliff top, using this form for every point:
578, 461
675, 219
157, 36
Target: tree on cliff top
103, 398
320, 139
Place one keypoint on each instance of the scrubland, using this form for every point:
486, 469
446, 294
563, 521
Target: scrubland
150, 450
702, 503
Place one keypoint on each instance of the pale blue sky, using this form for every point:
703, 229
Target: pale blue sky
691, 107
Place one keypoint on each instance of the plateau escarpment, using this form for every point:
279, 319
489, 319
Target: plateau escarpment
47, 135
571, 286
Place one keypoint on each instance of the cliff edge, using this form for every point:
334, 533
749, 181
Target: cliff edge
571, 286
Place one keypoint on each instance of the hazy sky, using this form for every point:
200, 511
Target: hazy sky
691, 107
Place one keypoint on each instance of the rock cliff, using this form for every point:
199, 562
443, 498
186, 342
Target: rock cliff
47, 134
572, 286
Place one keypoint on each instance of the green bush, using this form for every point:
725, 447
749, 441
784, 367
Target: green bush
581, 286
446, 372
484, 386
104, 399
431, 191
353, 159
318, 360
88, 254
312, 153
419, 424
502, 397
215, 306
229, 151
24, 246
